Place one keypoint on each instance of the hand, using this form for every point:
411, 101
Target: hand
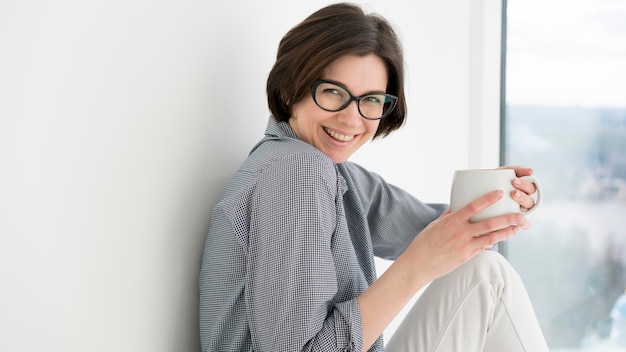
452, 239
441, 247
523, 189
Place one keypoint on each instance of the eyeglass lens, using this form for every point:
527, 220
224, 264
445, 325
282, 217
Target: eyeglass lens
332, 97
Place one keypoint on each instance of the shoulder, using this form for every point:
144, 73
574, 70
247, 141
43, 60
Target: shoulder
358, 175
290, 156
279, 168
279, 179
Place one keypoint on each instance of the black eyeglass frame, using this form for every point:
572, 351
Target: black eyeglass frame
393, 98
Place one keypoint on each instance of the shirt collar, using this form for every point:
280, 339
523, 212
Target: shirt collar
275, 130
278, 129
282, 129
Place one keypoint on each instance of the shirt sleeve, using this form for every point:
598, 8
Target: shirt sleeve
291, 277
394, 216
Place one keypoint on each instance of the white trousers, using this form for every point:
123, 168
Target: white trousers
481, 306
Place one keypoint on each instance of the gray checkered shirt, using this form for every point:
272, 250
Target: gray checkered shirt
291, 245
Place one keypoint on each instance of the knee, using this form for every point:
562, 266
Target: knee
491, 265
488, 267
489, 258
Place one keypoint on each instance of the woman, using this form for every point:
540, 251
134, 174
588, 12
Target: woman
288, 263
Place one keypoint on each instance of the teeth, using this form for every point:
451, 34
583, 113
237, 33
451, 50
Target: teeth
338, 136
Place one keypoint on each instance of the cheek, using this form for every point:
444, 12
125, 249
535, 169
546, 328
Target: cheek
301, 111
373, 127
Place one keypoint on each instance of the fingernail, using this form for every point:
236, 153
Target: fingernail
517, 181
518, 194
519, 218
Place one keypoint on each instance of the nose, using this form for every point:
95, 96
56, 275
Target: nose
350, 115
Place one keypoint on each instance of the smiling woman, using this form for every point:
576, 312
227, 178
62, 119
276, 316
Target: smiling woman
121, 123
288, 261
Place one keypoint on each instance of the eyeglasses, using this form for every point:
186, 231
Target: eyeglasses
331, 96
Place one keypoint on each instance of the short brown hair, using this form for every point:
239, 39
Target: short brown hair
327, 34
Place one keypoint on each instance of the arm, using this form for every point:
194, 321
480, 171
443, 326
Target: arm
445, 241
441, 247
291, 277
394, 216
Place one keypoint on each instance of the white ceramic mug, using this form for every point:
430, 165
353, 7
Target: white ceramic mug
469, 184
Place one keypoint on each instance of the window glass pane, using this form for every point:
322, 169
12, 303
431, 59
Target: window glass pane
566, 117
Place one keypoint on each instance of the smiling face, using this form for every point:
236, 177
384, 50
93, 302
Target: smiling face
339, 134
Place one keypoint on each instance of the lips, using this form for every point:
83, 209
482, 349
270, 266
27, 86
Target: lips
338, 136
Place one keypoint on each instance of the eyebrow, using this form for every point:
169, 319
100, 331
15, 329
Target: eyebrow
347, 90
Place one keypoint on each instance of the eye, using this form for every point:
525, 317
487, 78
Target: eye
334, 91
330, 90
374, 99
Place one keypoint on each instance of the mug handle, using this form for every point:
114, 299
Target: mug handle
538, 194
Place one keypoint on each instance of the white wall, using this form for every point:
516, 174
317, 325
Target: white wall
121, 121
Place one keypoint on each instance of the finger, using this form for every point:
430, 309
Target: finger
524, 186
526, 202
525, 225
489, 240
498, 223
479, 204
519, 170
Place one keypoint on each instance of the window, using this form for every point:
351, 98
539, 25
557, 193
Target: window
565, 115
